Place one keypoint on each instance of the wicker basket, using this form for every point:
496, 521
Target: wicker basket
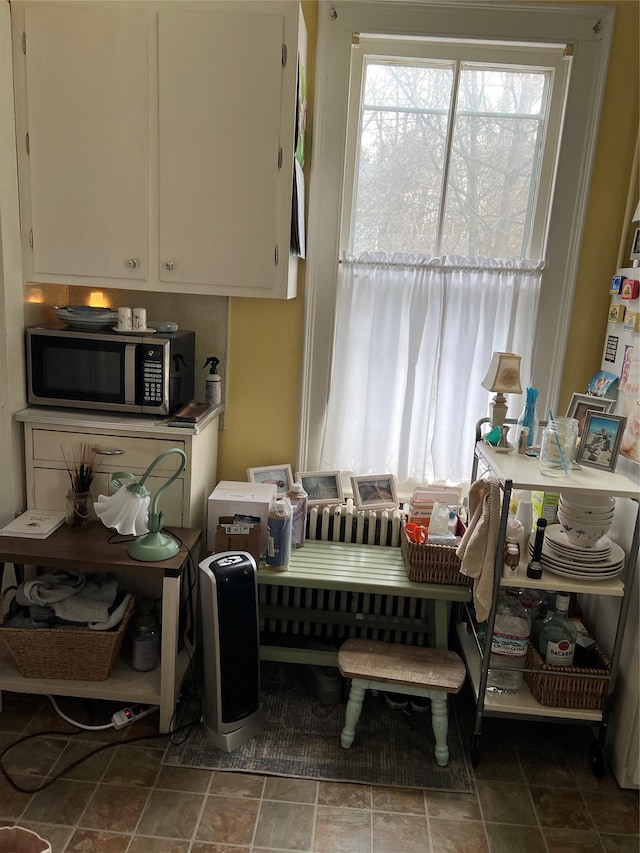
432, 563
79, 654
568, 686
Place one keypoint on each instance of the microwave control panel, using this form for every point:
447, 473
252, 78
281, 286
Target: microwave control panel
153, 376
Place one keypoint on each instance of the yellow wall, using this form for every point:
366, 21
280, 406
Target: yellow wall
265, 355
605, 217
265, 339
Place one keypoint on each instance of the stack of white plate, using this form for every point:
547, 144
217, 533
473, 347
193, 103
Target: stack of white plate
585, 518
85, 318
601, 561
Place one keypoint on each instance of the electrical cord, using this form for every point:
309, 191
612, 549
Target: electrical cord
74, 723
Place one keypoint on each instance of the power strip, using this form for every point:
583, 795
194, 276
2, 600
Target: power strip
129, 715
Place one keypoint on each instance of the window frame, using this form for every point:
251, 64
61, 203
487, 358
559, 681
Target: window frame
587, 30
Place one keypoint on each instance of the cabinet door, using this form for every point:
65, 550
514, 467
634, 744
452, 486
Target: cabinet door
220, 84
86, 96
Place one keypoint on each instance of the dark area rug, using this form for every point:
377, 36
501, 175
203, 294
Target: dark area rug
301, 739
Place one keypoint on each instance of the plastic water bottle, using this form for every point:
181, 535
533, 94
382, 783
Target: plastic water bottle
298, 498
508, 645
279, 524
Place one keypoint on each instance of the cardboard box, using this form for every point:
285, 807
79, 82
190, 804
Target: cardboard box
233, 499
232, 535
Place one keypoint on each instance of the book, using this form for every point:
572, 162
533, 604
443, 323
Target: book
34, 523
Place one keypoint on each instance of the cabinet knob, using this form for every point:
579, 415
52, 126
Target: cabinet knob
169, 265
133, 263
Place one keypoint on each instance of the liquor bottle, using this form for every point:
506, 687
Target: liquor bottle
508, 644
558, 634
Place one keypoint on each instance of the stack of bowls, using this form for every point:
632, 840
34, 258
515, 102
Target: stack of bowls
585, 518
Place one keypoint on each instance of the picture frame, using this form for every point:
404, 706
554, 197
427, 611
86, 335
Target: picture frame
635, 246
281, 475
375, 491
601, 437
580, 404
322, 487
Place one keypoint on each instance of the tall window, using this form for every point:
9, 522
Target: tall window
451, 173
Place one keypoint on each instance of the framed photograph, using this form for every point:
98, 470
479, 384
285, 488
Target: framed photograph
281, 475
582, 403
376, 491
600, 443
635, 246
323, 487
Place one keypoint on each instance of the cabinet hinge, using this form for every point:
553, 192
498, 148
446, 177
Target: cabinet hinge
26, 143
24, 42
279, 158
284, 55
31, 238
276, 255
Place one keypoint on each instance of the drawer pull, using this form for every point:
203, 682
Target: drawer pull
106, 451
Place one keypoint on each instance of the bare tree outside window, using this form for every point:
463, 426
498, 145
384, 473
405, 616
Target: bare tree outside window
448, 157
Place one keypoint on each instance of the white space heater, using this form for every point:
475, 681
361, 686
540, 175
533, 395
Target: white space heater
230, 645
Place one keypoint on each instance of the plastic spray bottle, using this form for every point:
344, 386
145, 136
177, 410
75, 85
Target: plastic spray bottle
213, 392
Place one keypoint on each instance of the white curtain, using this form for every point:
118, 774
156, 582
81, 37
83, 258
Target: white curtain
414, 336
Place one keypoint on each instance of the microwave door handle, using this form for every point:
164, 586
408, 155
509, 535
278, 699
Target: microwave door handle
130, 373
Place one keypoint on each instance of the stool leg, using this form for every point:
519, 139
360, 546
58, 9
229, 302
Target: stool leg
354, 709
440, 723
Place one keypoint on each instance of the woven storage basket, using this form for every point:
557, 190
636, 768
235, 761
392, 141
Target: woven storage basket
65, 653
432, 563
568, 686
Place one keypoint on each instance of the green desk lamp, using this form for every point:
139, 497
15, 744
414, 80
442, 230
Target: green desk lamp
126, 510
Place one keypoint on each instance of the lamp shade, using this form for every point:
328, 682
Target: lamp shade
503, 375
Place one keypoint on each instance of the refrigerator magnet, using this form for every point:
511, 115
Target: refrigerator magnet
631, 321
616, 284
630, 288
616, 313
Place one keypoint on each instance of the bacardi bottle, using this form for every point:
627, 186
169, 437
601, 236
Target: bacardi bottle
558, 634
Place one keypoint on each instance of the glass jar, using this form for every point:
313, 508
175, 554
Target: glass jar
558, 447
79, 510
146, 643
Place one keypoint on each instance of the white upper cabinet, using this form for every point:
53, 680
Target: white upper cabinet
86, 119
158, 143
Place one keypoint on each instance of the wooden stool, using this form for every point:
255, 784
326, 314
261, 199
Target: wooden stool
397, 668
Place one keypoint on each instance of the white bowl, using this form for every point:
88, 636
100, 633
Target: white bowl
604, 513
584, 537
587, 519
588, 501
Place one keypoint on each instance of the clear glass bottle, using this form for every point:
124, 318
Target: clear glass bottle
544, 609
558, 634
508, 645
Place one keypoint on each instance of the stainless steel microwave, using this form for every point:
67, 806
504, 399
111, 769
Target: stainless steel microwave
104, 370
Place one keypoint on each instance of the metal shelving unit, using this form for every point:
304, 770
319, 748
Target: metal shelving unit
514, 471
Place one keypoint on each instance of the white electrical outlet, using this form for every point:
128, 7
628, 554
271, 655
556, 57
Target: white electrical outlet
129, 715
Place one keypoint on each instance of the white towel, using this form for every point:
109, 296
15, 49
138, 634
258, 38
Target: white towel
477, 549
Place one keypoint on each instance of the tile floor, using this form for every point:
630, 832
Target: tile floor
533, 793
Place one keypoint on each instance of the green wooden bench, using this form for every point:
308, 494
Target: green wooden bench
343, 567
